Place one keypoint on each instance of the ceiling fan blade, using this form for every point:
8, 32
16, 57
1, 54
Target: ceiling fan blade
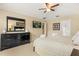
47, 4
55, 5
42, 9
52, 9
45, 11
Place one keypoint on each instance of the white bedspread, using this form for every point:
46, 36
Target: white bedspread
55, 46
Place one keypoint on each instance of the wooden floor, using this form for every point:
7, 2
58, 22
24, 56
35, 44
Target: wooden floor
75, 51
23, 50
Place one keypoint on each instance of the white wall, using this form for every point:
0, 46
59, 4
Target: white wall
34, 32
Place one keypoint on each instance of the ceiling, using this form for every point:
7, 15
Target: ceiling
31, 9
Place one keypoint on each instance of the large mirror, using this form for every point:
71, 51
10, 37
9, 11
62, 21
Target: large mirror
15, 24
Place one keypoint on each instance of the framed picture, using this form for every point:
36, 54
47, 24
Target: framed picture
56, 26
36, 24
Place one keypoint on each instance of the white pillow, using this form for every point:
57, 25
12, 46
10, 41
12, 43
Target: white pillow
57, 33
54, 34
42, 36
75, 38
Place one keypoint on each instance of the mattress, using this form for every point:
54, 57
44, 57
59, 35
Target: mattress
53, 46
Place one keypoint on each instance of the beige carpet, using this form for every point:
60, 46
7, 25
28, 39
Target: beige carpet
23, 50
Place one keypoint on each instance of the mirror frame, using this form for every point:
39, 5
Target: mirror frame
14, 18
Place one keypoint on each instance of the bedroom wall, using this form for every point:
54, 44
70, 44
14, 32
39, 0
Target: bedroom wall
34, 32
74, 25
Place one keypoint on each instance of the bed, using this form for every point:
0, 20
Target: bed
53, 46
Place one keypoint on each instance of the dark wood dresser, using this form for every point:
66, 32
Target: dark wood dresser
9, 40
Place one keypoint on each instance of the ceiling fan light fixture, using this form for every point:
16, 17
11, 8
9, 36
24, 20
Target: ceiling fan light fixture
49, 7
48, 10
52, 4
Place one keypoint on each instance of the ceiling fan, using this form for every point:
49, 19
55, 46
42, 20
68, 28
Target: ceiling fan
49, 7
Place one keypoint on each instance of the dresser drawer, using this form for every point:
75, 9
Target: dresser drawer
9, 36
7, 43
9, 40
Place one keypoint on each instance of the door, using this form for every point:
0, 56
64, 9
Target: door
44, 28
